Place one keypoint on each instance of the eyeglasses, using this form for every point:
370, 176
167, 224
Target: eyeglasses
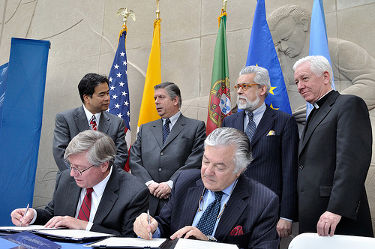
80, 172
244, 86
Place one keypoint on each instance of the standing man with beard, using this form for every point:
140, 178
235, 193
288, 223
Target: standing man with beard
273, 137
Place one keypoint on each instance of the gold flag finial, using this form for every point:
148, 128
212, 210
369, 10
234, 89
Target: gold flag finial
225, 5
157, 9
125, 13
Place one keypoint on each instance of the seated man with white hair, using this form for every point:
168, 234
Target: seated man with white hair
218, 203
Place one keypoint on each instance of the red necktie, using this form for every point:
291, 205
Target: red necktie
93, 123
84, 211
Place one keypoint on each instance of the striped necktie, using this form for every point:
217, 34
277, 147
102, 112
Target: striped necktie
251, 126
84, 211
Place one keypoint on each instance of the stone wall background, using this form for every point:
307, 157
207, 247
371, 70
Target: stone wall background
84, 35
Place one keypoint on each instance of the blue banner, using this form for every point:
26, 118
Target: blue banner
318, 38
262, 53
21, 124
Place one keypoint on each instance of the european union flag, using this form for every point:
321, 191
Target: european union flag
262, 53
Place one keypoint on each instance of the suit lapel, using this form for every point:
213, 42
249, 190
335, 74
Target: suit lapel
109, 197
81, 120
73, 192
104, 122
157, 131
234, 209
192, 199
177, 128
317, 119
239, 120
264, 125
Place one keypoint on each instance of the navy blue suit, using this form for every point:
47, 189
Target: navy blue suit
274, 149
252, 206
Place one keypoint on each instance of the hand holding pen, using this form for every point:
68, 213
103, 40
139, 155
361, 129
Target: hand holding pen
22, 216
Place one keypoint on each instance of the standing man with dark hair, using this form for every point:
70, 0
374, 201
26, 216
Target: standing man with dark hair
218, 203
166, 146
91, 195
334, 155
94, 93
273, 137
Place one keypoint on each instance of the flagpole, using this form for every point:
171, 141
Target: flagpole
224, 8
157, 9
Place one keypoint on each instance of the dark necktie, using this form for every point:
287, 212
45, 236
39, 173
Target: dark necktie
207, 222
166, 129
84, 211
93, 123
251, 126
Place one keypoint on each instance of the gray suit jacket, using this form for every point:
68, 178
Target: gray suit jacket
334, 157
150, 159
124, 198
69, 123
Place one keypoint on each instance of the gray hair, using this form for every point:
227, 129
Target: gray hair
299, 15
172, 90
261, 76
318, 65
100, 147
230, 136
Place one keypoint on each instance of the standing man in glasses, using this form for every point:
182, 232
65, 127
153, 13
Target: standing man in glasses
94, 92
166, 146
218, 203
273, 137
91, 195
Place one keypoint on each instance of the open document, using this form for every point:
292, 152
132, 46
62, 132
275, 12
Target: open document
72, 235
159, 243
31, 228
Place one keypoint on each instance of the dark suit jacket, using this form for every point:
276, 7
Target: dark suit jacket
124, 198
69, 123
251, 206
274, 156
334, 157
150, 159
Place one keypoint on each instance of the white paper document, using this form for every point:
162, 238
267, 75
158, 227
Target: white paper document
27, 228
73, 234
128, 242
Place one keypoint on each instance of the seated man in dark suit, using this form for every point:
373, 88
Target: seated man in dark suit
91, 195
94, 92
166, 146
218, 203
273, 136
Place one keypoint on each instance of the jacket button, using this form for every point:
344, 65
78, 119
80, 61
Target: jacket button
159, 169
161, 153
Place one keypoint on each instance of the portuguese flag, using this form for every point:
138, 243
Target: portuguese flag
219, 105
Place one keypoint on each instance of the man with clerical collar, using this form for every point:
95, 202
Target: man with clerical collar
91, 195
273, 136
334, 155
94, 93
166, 146
218, 203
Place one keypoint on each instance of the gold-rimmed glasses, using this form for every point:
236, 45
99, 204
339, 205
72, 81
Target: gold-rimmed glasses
244, 86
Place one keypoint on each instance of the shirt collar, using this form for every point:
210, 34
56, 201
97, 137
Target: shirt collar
321, 100
173, 119
100, 187
89, 116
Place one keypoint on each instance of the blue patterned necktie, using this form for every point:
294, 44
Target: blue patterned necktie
166, 129
207, 222
251, 126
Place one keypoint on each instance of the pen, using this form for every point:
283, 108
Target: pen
149, 222
27, 209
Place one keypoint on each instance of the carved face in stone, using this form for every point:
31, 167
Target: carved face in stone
289, 37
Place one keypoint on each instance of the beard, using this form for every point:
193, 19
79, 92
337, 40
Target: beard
249, 105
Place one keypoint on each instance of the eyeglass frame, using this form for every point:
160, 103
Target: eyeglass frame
244, 86
80, 172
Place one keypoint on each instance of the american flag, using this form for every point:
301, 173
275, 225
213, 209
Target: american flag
118, 88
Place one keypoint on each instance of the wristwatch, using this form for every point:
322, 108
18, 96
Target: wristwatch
211, 238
